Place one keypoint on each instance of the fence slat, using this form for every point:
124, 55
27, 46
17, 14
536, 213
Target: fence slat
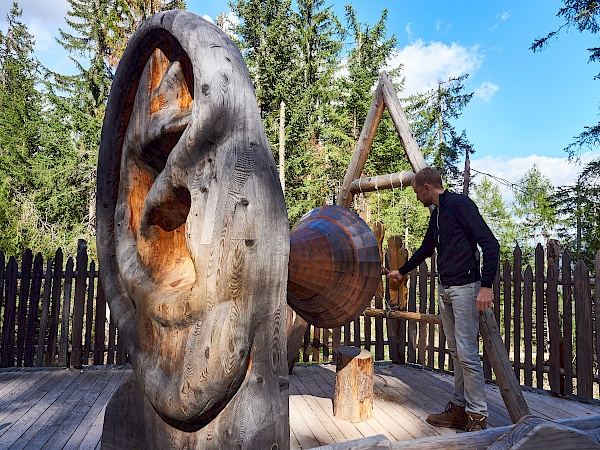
79, 305
55, 313
597, 305
112, 335
528, 326
422, 343
507, 303
7, 353
431, 326
554, 327
34, 303
63, 348
100, 325
39, 359
89, 313
23, 304
583, 325
412, 324
517, 275
539, 316
568, 322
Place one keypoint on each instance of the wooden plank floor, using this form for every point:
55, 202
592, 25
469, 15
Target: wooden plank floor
64, 409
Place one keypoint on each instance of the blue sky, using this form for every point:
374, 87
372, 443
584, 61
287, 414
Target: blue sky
527, 107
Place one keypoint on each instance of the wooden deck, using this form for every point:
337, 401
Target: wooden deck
64, 409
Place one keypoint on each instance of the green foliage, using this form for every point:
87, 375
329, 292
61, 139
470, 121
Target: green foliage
493, 209
534, 209
582, 15
431, 115
578, 209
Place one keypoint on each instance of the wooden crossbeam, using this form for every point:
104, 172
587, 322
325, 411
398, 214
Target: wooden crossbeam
382, 182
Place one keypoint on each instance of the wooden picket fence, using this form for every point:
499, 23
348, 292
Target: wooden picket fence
56, 314
548, 314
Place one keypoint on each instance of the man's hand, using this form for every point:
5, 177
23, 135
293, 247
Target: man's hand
394, 275
484, 299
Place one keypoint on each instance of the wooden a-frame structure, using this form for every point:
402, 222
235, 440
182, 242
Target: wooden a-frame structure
385, 97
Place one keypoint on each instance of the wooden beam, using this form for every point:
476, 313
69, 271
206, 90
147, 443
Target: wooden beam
363, 147
404, 315
505, 377
485, 438
382, 182
390, 98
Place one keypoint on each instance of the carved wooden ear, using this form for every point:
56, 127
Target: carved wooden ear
335, 266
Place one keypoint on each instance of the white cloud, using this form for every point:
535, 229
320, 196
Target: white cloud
504, 16
486, 91
426, 64
408, 31
559, 171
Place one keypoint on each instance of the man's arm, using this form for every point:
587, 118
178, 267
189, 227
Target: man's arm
424, 251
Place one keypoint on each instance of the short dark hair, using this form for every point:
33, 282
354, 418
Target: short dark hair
427, 175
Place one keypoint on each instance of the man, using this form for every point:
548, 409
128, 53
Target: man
455, 230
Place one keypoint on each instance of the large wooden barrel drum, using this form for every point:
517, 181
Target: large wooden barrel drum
335, 266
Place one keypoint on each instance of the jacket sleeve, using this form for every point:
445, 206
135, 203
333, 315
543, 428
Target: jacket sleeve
424, 251
471, 220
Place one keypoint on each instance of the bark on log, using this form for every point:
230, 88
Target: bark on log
193, 244
353, 395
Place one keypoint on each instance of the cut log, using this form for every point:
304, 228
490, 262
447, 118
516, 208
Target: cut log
353, 395
381, 182
404, 315
486, 438
379, 442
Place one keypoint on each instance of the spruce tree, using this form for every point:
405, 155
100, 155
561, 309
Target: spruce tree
20, 120
431, 114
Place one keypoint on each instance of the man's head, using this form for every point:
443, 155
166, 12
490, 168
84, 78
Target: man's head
427, 184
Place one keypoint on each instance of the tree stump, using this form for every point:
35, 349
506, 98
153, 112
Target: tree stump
353, 396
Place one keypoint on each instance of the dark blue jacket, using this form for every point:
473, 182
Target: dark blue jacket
455, 229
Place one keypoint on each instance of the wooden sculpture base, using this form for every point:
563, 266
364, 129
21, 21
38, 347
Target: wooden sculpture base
130, 422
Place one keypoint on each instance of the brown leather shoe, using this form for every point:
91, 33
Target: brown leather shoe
477, 422
454, 416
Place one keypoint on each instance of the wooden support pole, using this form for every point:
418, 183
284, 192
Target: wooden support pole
353, 395
505, 376
362, 148
404, 315
381, 182
413, 152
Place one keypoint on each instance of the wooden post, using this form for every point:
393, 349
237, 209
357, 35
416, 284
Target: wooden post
505, 376
353, 395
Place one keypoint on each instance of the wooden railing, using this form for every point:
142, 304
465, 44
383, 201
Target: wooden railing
55, 314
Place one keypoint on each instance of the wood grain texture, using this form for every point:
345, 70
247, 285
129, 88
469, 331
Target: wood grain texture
193, 243
353, 395
335, 266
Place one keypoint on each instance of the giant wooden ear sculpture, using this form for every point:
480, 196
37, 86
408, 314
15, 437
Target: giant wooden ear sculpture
193, 244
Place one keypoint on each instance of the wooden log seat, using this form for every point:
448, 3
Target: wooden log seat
353, 394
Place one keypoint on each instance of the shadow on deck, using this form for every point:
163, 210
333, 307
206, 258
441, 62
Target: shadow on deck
64, 409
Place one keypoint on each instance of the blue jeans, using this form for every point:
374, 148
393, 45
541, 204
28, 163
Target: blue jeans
460, 319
